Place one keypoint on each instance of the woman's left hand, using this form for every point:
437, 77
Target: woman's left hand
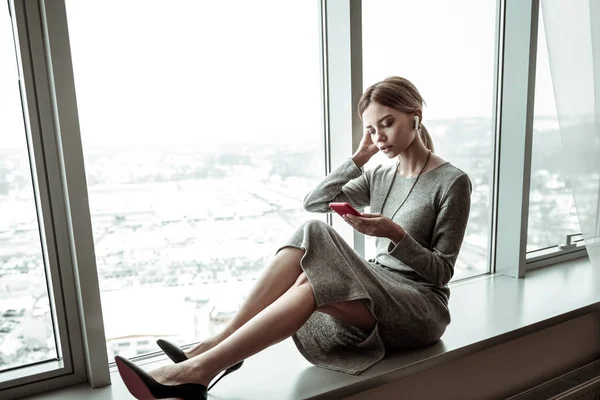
376, 225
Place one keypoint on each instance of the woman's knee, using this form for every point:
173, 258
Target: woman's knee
291, 254
315, 224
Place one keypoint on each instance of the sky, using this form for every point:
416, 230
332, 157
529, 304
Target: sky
215, 74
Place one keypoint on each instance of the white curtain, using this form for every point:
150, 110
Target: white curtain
573, 39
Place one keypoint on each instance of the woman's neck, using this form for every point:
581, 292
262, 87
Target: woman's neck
412, 160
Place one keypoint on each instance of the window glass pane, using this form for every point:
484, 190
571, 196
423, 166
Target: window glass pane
26, 329
552, 213
201, 126
454, 72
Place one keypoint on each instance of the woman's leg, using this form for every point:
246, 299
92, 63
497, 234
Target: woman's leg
353, 312
275, 280
275, 323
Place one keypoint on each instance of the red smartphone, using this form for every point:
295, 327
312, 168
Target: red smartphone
344, 208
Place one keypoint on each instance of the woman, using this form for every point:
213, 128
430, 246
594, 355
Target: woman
344, 312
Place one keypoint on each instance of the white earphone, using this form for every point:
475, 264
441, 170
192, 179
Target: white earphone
416, 118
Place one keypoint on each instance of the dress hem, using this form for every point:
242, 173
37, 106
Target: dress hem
318, 303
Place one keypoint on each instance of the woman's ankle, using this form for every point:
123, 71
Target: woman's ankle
209, 343
200, 348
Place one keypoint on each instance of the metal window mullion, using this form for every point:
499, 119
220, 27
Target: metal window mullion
594, 12
498, 62
342, 67
324, 66
28, 37
55, 219
79, 242
516, 125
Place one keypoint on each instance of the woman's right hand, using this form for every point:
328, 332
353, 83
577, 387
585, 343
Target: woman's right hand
366, 150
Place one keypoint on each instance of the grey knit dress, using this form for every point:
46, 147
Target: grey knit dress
405, 287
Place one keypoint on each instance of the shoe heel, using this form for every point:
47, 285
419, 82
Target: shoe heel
174, 352
229, 370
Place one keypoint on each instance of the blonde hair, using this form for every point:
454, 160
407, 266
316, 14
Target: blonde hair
400, 94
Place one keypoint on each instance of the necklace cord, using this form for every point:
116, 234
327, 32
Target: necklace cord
409, 192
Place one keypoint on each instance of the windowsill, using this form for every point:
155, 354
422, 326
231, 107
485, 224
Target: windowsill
485, 311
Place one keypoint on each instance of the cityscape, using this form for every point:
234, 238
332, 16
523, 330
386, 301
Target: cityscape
182, 233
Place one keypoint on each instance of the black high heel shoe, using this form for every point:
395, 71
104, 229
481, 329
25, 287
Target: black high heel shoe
143, 387
177, 356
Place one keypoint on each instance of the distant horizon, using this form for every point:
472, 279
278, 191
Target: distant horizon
222, 148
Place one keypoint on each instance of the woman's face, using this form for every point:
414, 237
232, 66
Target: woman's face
391, 131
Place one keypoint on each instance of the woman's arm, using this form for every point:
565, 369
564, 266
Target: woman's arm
347, 183
437, 265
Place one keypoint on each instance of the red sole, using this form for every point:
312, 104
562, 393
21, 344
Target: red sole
134, 383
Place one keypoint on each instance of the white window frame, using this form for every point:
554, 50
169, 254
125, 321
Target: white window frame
514, 138
38, 112
561, 251
341, 37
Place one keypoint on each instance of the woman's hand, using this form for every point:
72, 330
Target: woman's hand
376, 225
366, 150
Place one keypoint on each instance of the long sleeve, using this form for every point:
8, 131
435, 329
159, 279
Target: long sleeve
347, 183
436, 265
